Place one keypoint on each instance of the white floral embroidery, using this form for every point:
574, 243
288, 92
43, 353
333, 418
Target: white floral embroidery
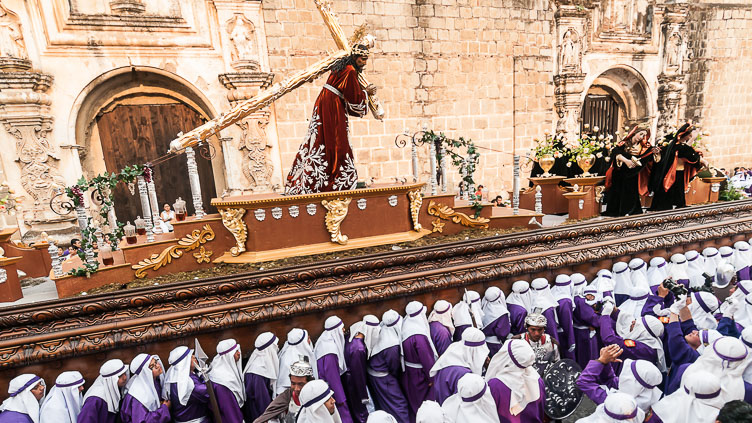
348, 176
309, 173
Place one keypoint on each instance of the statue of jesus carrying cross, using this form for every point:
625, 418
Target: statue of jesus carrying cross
325, 159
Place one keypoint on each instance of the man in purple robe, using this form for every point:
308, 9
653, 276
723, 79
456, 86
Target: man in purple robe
330, 360
465, 356
519, 304
544, 303
516, 387
441, 325
385, 369
362, 338
102, 400
26, 391
585, 324
284, 408
496, 325
419, 355
189, 396
142, 402
638, 378
639, 338
259, 376
227, 381
562, 293
467, 313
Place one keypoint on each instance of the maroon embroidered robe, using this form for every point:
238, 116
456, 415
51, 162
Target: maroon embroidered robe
325, 158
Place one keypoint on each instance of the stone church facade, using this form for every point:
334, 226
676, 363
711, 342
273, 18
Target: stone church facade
88, 86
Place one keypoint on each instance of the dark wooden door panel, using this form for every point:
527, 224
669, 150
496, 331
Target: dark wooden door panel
137, 134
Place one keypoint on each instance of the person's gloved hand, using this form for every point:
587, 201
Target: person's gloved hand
572, 348
608, 307
679, 305
732, 305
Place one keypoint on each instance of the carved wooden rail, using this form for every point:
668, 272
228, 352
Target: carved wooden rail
172, 314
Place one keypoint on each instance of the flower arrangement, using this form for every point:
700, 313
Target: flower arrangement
8, 200
596, 143
549, 145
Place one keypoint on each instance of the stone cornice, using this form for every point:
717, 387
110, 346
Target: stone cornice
57, 329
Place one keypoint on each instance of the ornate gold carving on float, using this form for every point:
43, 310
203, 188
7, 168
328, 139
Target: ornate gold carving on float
335, 215
188, 243
233, 221
416, 201
445, 212
438, 225
203, 256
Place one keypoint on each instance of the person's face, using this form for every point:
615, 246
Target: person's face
640, 136
590, 297
166, 207
77, 244
535, 333
81, 388
123, 379
237, 355
693, 339
361, 61
732, 289
297, 383
331, 405
38, 391
194, 362
155, 367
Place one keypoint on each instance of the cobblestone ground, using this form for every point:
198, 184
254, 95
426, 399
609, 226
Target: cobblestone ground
585, 409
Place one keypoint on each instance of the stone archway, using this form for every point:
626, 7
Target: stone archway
623, 91
141, 110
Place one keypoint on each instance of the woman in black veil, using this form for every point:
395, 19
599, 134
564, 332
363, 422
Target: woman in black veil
679, 163
629, 173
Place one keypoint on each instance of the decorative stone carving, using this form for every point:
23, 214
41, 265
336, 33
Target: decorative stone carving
253, 142
311, 209
277, 213
13, 53
568, 91
671, 79
362, 203
416, 201
38, 160
127, 7
242, 35
626, 17
260, 214
570, 52
257, 166
294, 211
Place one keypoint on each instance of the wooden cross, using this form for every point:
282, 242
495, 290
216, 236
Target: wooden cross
276, 91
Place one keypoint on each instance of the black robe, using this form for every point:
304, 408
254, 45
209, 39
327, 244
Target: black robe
623, 194
666, 199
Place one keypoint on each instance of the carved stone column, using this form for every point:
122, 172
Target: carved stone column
254, 145
146, 208
25, 115
671, 80
155, 217
571, 27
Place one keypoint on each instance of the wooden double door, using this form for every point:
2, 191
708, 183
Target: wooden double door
137, 134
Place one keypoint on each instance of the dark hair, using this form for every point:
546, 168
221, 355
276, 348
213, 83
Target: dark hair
342, 63
736, 411
74, 241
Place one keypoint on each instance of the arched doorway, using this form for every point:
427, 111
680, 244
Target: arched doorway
129, 116
617, 99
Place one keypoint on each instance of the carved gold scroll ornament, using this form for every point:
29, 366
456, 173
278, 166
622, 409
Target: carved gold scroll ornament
233, 221
416, 201
190, 242
335, 215
443, 211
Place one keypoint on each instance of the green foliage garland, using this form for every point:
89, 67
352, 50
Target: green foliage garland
103, 185
452, 148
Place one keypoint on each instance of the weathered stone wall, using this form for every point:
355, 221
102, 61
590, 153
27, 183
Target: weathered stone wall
446, 64
718, 84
